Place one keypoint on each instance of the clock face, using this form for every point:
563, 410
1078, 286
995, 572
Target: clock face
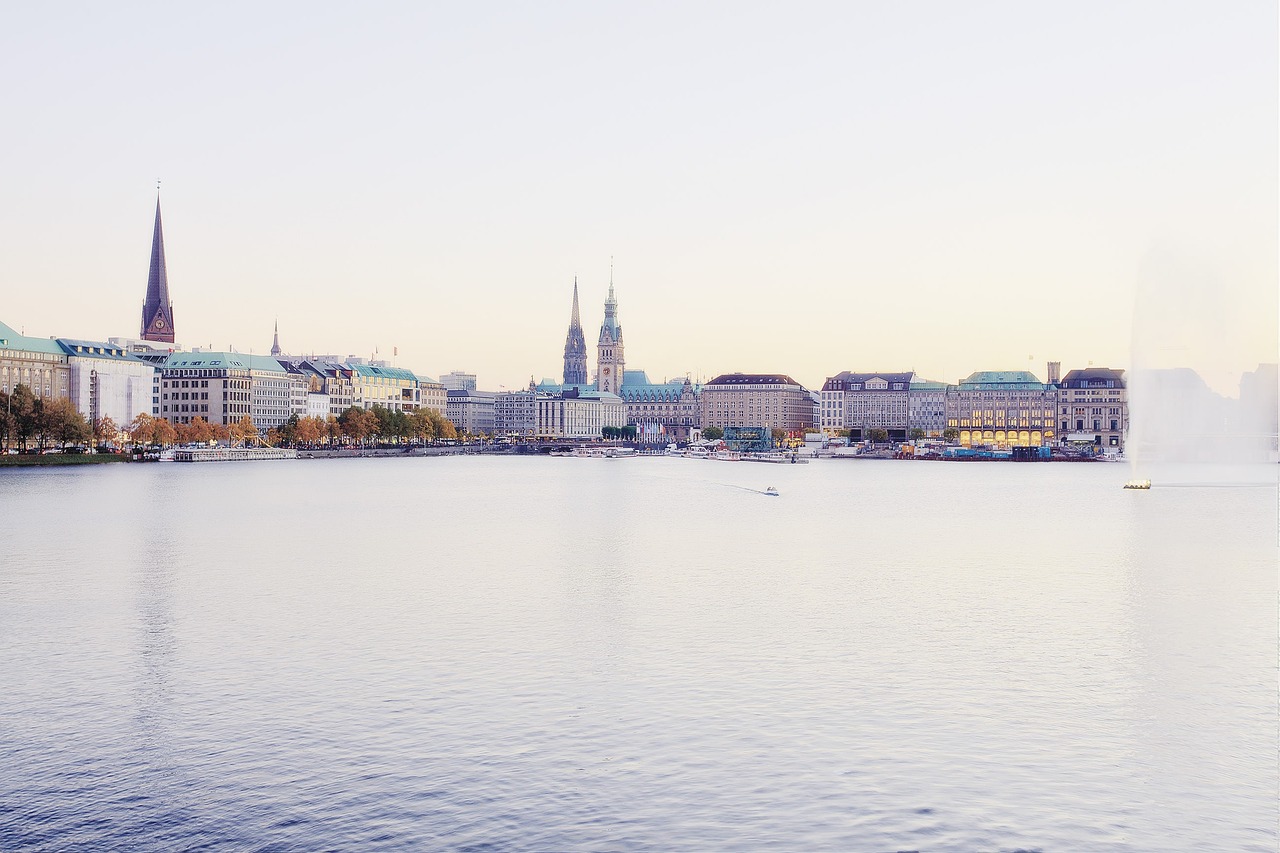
606, 371
159, 322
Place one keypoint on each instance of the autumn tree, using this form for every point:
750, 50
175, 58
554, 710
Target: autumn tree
142, 429
105, 430
444, 427
244, 430
58, 422
201, 430
163, 433
712, 433
420, 425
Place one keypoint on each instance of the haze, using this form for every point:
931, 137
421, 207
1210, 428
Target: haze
805, 189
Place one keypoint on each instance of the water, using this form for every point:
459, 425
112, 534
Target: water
642, 654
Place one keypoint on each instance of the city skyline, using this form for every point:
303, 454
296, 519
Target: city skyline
871, 191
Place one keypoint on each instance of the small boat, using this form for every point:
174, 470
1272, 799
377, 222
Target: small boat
1138, 484
770, 490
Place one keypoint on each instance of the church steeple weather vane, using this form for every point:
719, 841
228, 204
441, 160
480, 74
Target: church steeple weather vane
157, 310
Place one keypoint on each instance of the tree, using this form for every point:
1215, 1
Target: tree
244, 431
201, 430
183, 432
308, 430
951, 434
142, 429
105, 430
219, 432
916, 434
289, 429
7, 421
163, 433
443, 427
421, 425
878, 435
357, 424
712, 433
273, 437
23, 405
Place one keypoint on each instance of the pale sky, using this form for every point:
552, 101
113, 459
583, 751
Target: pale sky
796, 188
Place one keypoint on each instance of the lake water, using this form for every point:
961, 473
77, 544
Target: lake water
643, 654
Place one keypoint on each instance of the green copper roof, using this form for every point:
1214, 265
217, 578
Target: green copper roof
384, 372
221, 361
11, 339
999, 380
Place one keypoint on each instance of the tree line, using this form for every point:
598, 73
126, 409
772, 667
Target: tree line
27, 420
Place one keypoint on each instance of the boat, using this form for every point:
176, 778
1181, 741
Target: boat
1138, 484
771, 491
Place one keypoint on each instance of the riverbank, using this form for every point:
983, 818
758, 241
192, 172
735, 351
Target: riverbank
30, 460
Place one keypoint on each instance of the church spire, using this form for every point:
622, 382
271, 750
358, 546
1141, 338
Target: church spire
275, 344
157, 311
575, 346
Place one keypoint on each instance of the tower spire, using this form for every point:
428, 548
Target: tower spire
575, 346
157, 310
275, 344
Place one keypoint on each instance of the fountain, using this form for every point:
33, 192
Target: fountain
1203, 388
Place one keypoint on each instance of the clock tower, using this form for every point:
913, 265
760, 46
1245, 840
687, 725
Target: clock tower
610, 360
157, 311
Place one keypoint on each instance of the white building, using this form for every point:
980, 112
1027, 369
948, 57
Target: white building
456, 380
516, 412
107, 382
471, 411
927, 407
579, 414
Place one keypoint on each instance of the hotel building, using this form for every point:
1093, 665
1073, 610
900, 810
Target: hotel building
770, 400
1010, 408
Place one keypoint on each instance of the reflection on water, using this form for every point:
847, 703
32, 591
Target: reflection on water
644, 654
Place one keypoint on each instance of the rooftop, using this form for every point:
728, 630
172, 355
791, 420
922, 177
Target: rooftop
753, 379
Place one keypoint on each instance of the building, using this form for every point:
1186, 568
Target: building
471, 412
516, 412
861, 402
1001, 409
771, 400
41, 364
575, 346
610, 359
456, 380
107, 382
375, 384
330, 380
1093, 408
927, 407
157, 309
660, 411
431, 394
578, 414
223, 387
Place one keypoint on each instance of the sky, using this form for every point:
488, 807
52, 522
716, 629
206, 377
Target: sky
795, 188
